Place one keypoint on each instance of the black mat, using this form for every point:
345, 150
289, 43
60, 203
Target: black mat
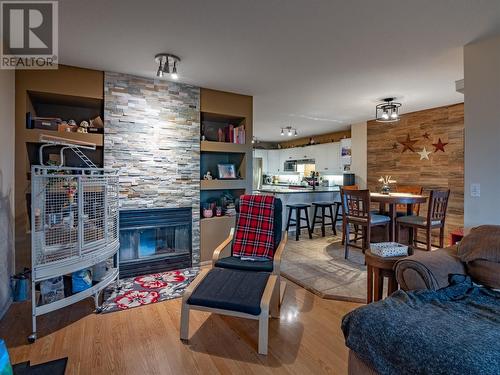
56, 367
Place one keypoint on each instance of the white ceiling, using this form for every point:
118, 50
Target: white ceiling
316, 65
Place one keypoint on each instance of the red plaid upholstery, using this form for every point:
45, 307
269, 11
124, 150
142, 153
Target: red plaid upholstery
254, 235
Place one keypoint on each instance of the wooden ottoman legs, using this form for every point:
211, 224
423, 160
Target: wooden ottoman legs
269, 306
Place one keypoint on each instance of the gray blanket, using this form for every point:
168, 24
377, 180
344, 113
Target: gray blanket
454, 330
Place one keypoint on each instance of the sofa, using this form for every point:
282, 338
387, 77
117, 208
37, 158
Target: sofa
471, 268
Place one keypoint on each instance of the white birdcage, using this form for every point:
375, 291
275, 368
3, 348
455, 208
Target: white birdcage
74, 226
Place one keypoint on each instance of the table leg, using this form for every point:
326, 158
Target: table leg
381, 208
369, 284
378, 284
392, 214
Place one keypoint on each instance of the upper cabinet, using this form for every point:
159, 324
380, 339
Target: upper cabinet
327, 157
274, 161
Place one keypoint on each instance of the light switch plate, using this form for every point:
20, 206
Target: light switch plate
475, 190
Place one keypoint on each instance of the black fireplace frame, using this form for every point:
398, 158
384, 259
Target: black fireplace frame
156, 217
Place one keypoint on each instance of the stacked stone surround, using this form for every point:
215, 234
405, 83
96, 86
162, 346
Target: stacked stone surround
152, 130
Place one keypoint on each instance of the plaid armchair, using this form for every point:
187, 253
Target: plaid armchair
223, 256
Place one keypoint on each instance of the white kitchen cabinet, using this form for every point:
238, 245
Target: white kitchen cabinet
327, 158
273, 162
263, 154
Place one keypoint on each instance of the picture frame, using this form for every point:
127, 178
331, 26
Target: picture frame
226, 171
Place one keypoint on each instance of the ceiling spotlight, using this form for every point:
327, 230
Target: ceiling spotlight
388, 106
289, 131
174, 71
159, 72
165, 60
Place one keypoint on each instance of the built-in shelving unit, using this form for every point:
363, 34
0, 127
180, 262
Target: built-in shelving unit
221, 110
65, 93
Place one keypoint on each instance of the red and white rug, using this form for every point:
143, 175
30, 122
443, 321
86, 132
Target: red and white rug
143, 290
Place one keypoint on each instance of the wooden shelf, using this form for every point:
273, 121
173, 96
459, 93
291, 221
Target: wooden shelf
33, 136
223, 184
210, 146
217, 219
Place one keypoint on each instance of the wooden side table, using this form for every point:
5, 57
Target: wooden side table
378, 268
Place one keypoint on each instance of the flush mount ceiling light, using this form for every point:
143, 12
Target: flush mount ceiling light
167, 64
289, 131
388, 111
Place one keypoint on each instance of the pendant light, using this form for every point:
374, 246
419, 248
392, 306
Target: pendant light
388, 111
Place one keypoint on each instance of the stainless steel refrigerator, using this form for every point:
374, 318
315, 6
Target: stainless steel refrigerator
257, 174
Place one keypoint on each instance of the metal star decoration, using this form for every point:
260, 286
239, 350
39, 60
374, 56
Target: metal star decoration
424, 154
426, 135
394, 146
439, 146
408, 143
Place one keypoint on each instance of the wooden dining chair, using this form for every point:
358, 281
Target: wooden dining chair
411, 189
436, 216
358, 235
356, 208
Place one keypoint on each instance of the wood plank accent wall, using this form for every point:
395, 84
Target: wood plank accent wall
443, 170
318, 139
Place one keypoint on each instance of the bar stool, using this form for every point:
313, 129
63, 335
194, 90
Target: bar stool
333, 218
297, 222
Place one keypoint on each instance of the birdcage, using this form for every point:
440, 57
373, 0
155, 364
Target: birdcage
74, 226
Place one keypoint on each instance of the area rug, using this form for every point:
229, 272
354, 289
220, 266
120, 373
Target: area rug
318, 265
144, 290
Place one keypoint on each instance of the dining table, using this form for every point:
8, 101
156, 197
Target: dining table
392, 200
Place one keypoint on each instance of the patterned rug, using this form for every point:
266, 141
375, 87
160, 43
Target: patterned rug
143, 290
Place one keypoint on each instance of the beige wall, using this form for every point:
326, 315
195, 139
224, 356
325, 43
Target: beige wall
482, 130
359, 153
6, 186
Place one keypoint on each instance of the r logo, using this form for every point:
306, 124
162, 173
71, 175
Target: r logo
29, 30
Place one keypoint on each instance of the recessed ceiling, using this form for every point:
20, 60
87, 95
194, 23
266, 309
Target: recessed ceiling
315, 65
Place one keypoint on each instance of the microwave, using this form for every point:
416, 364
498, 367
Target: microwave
290, 166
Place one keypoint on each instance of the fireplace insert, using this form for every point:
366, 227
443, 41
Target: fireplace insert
155, 240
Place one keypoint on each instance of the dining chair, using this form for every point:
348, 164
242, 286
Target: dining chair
357, 236
356, 208
411, 189
435, 218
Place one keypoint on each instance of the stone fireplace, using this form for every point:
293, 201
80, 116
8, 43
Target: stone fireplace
152, 130
154, 240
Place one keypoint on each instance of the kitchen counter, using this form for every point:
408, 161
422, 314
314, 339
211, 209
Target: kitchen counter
286, 190
301, 195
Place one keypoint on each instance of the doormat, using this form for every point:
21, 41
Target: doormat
144, 290
57, 367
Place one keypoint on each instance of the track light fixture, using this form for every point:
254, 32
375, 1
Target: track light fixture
388, 111
165, 61
289, 131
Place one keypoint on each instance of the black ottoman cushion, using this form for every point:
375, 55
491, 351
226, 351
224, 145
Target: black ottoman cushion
232, 290
236, 263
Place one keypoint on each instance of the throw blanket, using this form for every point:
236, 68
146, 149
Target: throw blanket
254, 235
454, 330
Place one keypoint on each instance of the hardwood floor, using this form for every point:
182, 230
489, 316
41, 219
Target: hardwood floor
305, 340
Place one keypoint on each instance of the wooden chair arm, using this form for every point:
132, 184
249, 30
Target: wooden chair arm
278, 254
191, 287
268, 294
217, 252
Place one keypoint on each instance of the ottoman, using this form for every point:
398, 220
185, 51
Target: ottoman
244, 294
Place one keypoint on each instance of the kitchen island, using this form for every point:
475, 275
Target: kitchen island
300, 195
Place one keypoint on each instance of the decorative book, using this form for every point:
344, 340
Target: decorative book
389, 249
